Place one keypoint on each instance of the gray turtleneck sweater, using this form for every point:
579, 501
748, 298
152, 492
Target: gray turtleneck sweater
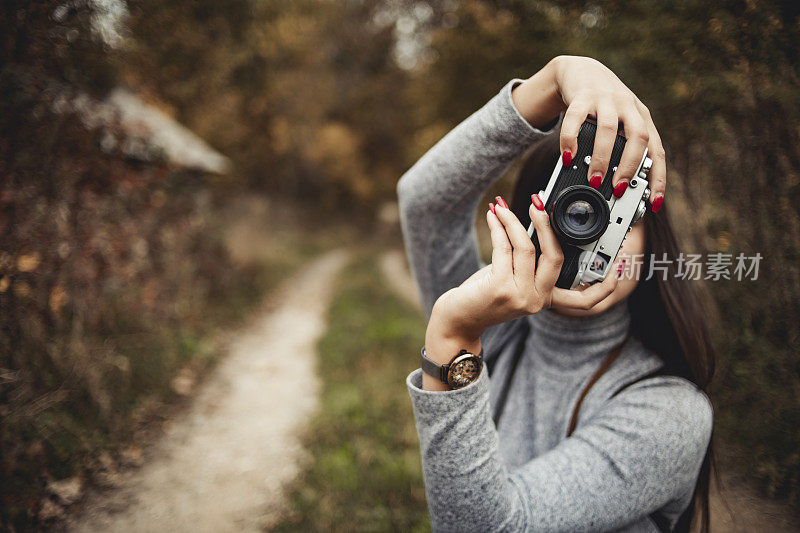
632, 454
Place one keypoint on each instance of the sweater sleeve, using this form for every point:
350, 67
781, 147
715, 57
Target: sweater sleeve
638, 453
438, 196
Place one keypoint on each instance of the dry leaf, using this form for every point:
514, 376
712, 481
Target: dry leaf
28, 262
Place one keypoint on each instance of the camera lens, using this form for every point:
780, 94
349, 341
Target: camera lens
579, 215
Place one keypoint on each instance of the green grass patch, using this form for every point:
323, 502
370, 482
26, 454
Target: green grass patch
365, 473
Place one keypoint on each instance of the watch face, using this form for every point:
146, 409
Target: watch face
463, 371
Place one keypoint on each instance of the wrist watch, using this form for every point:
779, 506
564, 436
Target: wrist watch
462, 370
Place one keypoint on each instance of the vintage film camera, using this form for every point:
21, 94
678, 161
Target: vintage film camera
591, 224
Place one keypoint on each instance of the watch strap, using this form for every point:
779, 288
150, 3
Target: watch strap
434, 369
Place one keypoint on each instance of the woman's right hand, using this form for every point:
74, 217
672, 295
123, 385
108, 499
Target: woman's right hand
586, 87
515, 284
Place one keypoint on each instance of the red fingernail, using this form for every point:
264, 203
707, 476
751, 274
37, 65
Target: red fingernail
566, 158
621, 268
500, 201
657, 203
491, 206
596, 180
537, 202
619, 190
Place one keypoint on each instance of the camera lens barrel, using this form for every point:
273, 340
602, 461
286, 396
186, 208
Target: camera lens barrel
579, 214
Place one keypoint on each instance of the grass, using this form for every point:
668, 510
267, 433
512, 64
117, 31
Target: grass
365, 472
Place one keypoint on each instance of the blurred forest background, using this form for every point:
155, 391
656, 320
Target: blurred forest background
112, 261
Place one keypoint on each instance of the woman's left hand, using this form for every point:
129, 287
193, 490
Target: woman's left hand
512, 286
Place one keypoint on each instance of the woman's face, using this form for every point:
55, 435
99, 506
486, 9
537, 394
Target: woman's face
633, 245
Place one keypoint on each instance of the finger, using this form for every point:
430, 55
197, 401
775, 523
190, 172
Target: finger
574, 117
658, 173
655, 151
607, 125
585, 299
501, 247
551, 258
658, 176
523, 251
637, 137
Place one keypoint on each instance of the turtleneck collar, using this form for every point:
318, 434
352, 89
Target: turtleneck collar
569, 342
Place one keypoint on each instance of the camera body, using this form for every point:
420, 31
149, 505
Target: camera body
591, 224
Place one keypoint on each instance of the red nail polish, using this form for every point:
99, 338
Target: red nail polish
596, 180
537, 202
621, 268
491, 206
501, 202
657, 203
566, 158
619, 190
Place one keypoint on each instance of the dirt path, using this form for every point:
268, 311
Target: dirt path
222, 465
735, 507
395, 271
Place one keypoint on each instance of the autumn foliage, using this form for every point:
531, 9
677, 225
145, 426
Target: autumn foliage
109, 268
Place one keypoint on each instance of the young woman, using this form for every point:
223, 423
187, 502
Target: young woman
499, 452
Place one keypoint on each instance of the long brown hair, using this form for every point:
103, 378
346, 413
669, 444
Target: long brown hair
668, 315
